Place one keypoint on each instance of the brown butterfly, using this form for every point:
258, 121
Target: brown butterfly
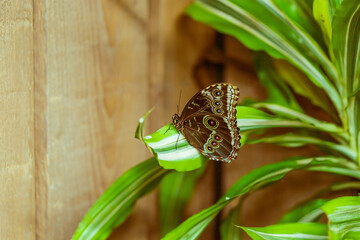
208, 122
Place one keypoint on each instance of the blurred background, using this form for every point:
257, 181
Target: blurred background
75, 78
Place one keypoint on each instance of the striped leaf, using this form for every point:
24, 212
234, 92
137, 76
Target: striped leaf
300, 13
229, 227
176, 190
322, 14
323, 11
289, 231
277, 90
261, 25
252, 119
116, 204
173, 151
293, 114
139, 132
308, 212
344, 217
195, 225
346, 44
297, 140
346, 47
303, 86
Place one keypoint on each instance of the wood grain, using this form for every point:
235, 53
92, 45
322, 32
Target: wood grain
17, 191
91, 84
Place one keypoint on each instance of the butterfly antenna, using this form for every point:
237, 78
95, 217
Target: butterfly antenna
178, 106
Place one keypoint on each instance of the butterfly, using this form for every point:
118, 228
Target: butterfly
208, 122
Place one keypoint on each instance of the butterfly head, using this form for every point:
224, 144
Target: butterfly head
177, 122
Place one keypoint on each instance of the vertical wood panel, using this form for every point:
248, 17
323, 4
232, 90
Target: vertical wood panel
17, 201
40, 131
92, 74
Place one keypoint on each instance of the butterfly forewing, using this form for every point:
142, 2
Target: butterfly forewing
208, 122
218, 99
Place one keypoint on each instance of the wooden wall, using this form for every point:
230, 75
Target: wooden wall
17, 158
75, 78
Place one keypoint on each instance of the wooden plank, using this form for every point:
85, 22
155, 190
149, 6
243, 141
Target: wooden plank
91, 82
17, 201
40, 135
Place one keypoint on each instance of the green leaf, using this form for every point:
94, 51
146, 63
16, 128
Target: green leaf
322, 15
300, 13
276, 171
173, 151
293, 114
309, 3
344, 217
333, 5
193, 226
176, 190
289, 231
308, 212
323, 11
345, 185
277, 91
346, 47
355, 173
346, 44
261, 25
296, 140
249, 118
355, 122
302, 85
353, 113
139, 133
229, 229
116, 204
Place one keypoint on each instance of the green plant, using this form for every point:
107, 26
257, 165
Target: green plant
301, 47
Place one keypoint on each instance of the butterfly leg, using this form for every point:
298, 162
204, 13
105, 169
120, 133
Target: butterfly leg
168, 128
177, 140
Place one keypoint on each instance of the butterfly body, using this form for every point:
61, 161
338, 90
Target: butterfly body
208, 122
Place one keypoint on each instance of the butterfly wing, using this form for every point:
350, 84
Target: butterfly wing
209, 122
216, 137
218, 99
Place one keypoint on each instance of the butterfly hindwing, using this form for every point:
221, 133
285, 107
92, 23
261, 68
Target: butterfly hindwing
215, 136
